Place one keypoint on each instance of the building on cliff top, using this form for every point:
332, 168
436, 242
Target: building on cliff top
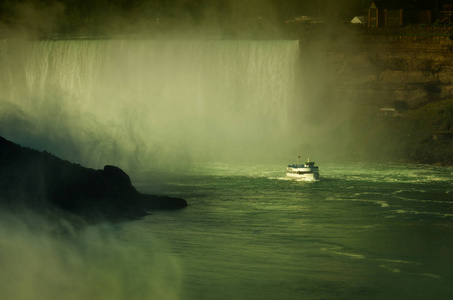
385, 14
396, 13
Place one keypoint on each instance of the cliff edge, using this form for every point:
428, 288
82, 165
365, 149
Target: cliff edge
39, 180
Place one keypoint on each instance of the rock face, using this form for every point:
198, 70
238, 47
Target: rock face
380, 66
39, 180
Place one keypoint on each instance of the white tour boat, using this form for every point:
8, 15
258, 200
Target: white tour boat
303, 172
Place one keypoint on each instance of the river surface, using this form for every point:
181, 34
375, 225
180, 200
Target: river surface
361, 232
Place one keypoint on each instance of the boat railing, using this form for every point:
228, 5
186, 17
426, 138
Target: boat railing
308, 165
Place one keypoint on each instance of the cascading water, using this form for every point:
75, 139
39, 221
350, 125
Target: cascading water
147, 103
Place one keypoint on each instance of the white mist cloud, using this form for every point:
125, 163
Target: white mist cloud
142, 104
44, 260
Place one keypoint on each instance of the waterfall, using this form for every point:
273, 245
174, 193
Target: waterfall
149, 103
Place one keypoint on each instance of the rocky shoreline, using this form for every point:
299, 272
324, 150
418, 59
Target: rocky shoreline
40, 181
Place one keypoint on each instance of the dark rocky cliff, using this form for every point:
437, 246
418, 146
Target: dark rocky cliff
380, 66
41, 181
348, 74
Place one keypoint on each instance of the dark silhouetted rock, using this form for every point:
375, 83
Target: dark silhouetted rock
40, 180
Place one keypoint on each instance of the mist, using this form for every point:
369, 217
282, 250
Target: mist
141, 103
43, 259
157, 86
182, 18
161, 84
234, 18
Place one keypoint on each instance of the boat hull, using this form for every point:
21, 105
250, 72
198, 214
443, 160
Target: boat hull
304, 177
302, 172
